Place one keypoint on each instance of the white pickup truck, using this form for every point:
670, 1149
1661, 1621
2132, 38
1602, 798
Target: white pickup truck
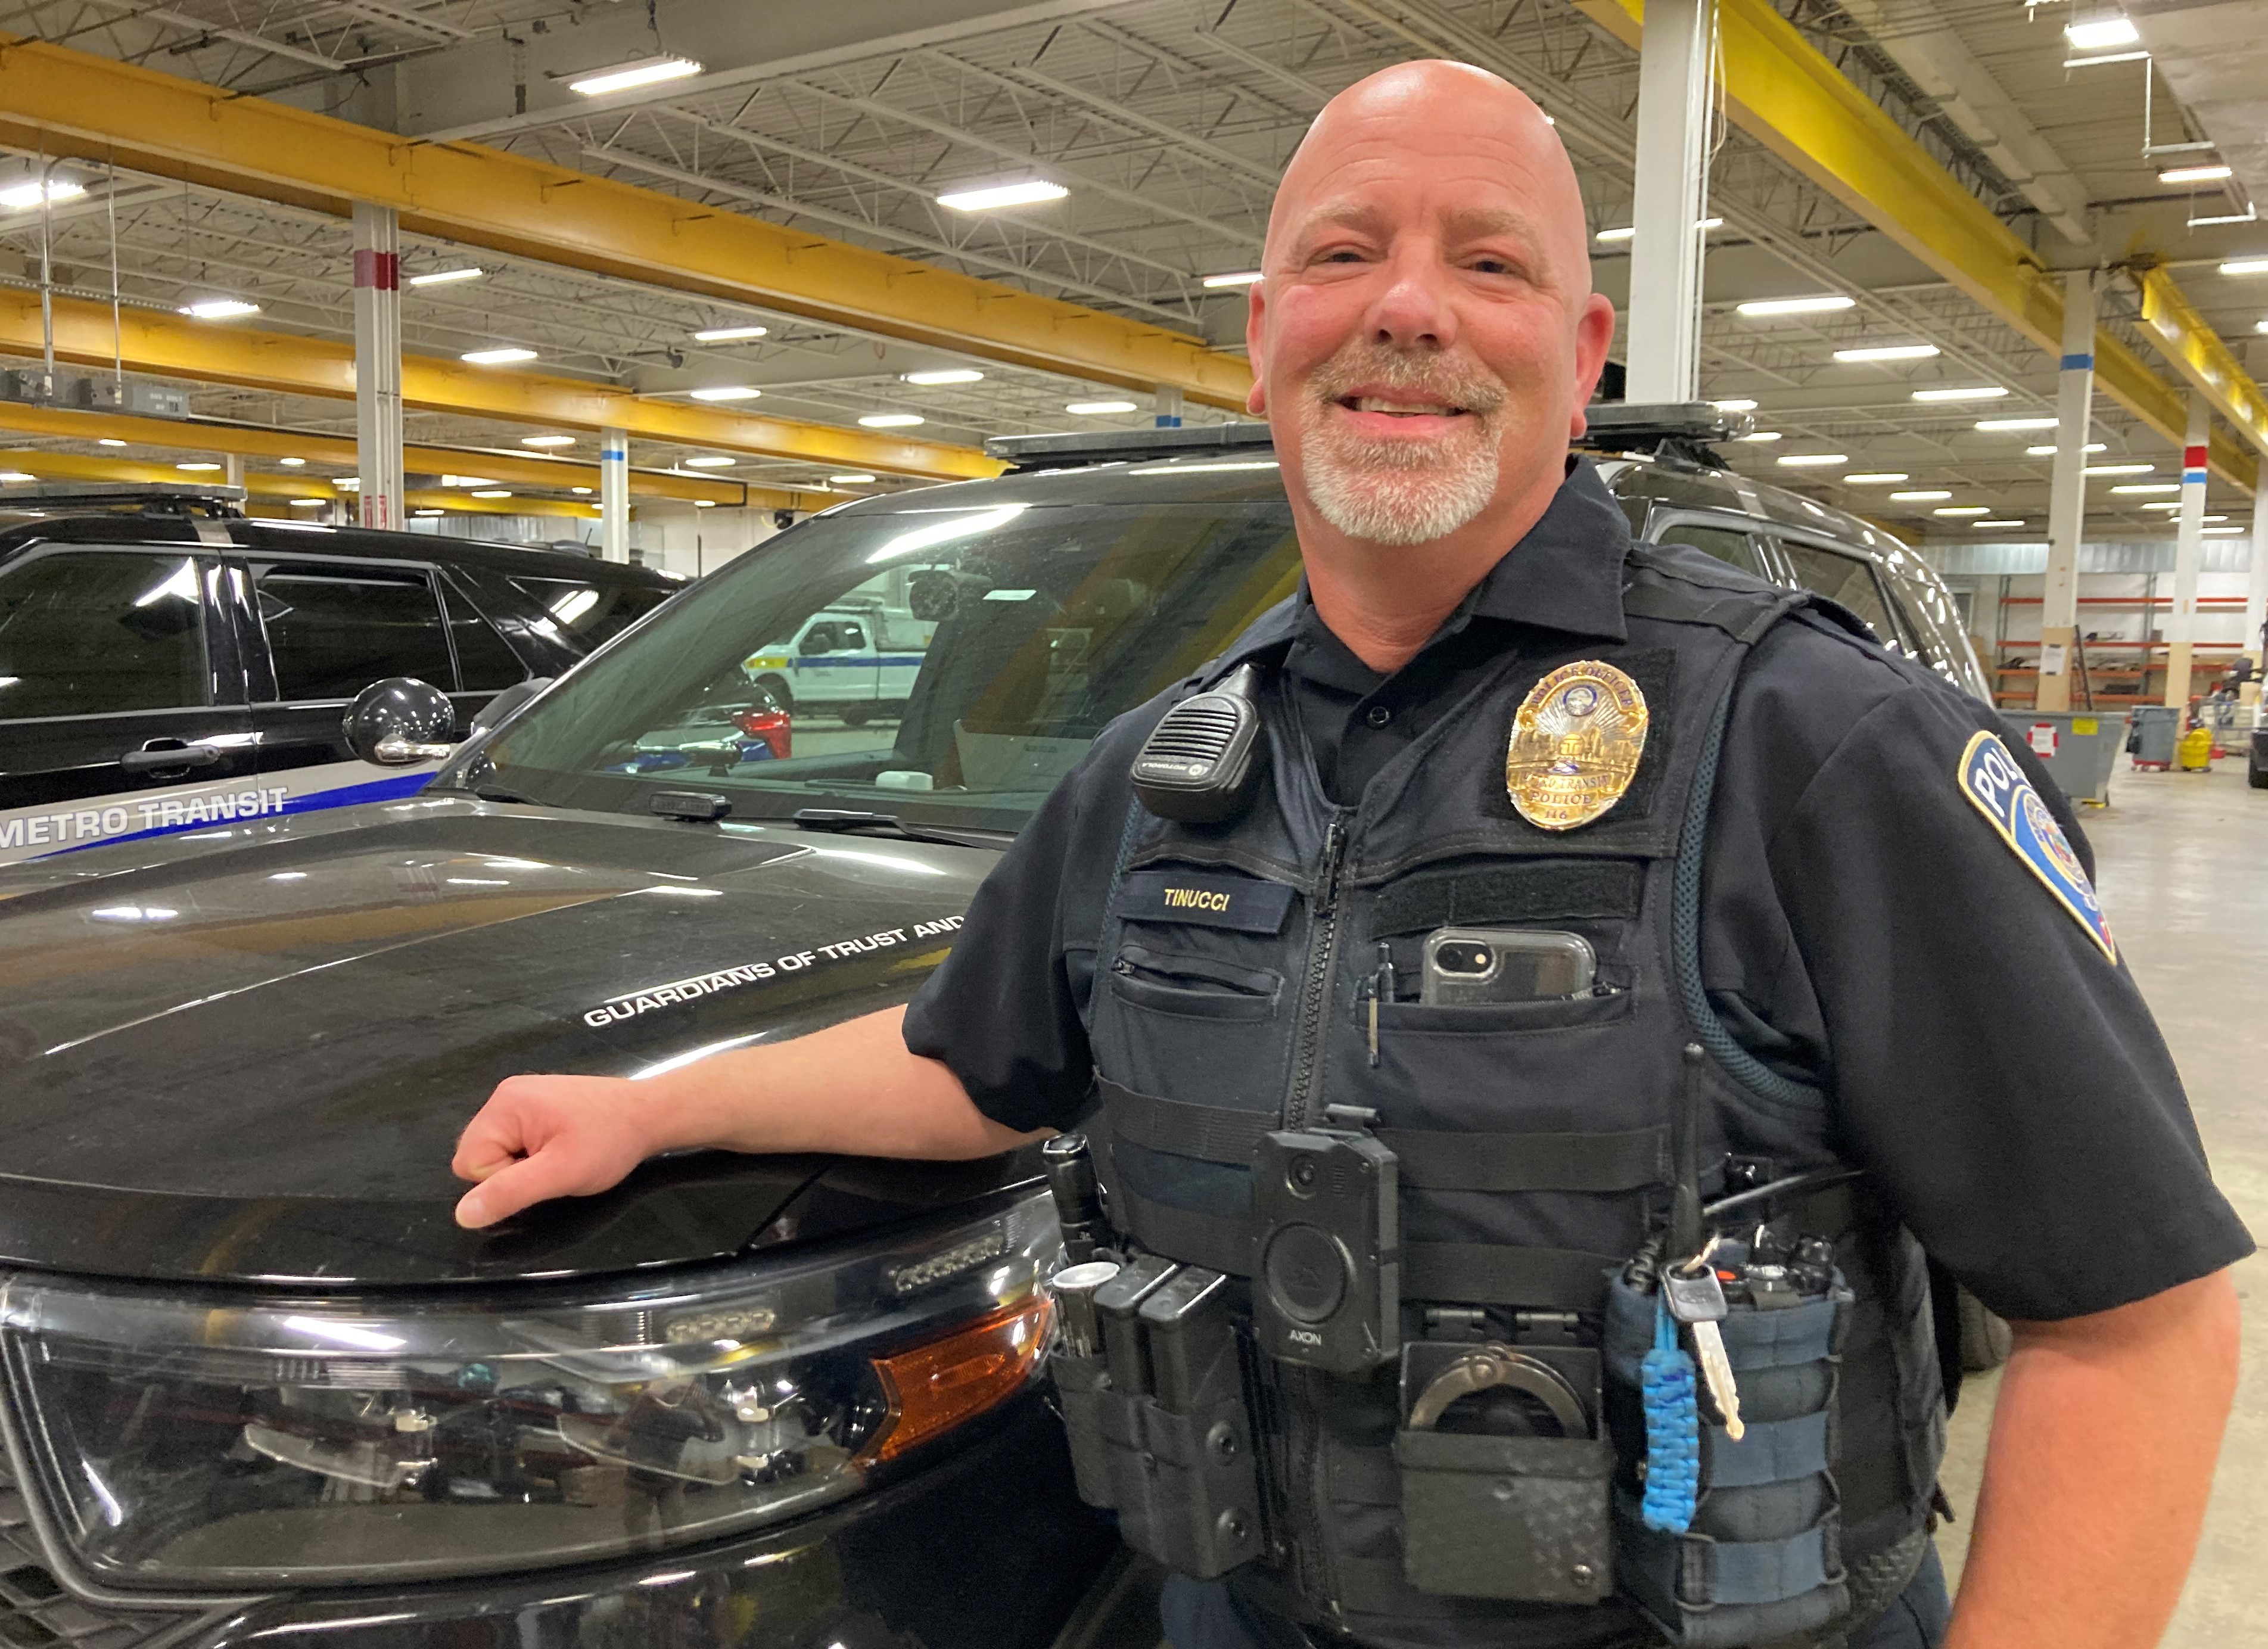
855, 662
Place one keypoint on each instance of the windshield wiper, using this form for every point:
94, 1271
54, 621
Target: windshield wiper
843, 821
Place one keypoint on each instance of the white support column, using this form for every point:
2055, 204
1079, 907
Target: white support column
2189, 553
2255, 590
378, 365
1166, 406
1673, 165
615, 495
233, 470
2067, 492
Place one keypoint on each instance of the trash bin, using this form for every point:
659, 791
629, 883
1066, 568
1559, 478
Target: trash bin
2079, 746
2156, 727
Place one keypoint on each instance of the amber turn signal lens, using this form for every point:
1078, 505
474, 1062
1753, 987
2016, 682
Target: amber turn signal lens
934, 1387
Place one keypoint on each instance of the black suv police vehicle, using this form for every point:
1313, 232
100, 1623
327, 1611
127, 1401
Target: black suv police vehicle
165, 662
258, 1384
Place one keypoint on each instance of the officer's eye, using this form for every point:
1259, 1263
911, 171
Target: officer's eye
1341, 254
1494, 265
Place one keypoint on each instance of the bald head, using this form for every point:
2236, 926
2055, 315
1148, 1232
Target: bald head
1401, 115
1423, 336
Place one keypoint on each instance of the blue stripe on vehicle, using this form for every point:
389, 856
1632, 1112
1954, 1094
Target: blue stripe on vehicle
313, 801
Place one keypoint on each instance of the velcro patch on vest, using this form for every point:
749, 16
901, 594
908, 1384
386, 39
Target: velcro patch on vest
1243, 902
1542, 890
1992, 780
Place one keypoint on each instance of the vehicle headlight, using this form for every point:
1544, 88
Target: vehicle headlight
188, 1437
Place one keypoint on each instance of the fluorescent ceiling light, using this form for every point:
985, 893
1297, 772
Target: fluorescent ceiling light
1963, 509
467, 480
859, 480
2222, 532
1626, 232
219, 308
643, 72
2010, 425
705, 504
21, 196
1762, 435
2246, 266
727, 391
1969, 392
442, 277
711, 461
580, 492
2149, 486
1739, 403
984, 199
547, 440
1241, 278
1879, 478
2102, 33
292, 463
2006, 523
728, 335
2049, 452
1818, 305
1927, 495
349, 484
429, 512
1098, 408
309, 503
2212, 517
2260, 326
2193, 174
504, 356
1888, 352
891, 420
16, 474
2118, 469
1812, 460
945, 375
196, 468
109, 441
489, 492
2163, 505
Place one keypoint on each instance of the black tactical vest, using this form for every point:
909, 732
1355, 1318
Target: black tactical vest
1237, 979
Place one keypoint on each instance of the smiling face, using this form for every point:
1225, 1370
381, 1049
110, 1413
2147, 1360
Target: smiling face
1425, 335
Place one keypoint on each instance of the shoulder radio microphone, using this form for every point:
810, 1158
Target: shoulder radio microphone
1199, 764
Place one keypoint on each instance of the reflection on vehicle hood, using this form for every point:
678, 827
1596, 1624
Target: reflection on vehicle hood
250, 1056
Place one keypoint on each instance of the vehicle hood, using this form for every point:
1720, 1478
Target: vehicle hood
248, 1058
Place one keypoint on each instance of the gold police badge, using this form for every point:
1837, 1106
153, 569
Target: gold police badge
1576, 740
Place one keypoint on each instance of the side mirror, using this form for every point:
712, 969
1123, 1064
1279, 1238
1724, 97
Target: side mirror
500, 709
400, 720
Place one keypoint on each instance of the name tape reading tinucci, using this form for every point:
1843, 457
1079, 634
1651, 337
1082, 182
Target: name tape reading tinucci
708, 984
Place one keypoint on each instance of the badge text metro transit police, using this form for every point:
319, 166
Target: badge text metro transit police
1992, 780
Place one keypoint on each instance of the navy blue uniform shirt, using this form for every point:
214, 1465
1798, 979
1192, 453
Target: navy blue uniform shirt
1863, 928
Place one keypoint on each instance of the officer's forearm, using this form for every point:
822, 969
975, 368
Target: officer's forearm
2096, 1477
852, 1087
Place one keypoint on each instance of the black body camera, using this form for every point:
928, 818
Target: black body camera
1327, 1291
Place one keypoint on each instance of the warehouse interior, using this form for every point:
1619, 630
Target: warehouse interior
653, 283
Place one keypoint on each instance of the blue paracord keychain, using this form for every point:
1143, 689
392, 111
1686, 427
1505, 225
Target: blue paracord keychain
1673, 1429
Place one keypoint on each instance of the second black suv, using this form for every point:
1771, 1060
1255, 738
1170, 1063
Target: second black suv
163, 658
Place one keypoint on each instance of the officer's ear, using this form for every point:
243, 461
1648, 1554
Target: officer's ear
1255, 311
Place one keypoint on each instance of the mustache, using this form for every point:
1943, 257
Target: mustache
1436, 379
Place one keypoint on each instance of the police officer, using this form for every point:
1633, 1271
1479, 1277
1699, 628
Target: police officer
1822, 916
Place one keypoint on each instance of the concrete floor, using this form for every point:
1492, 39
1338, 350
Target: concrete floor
2183, 864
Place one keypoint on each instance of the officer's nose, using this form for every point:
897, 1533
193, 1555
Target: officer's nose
1415, 311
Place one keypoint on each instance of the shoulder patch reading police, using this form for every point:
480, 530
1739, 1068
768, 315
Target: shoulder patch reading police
1992, 780
1576, 740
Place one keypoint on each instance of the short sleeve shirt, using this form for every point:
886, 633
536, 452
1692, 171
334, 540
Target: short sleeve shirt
1864, 928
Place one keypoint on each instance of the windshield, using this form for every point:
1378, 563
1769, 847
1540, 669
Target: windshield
946, 664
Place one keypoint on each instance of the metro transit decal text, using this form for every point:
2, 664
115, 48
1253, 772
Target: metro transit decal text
67, 825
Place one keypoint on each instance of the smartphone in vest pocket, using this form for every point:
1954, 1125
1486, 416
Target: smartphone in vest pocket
1470, 967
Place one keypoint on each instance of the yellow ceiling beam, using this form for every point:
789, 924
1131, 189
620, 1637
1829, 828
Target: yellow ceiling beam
519, 469
223, 352
65, 102
1783, 92
2192, 349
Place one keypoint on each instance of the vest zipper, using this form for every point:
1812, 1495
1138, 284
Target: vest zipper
1314, 994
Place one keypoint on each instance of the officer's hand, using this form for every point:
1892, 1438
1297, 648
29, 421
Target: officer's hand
545, 1136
